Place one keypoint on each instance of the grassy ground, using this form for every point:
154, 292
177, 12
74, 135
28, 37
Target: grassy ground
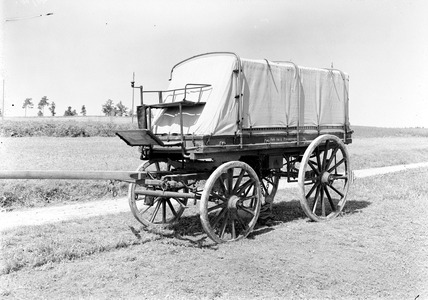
48, 153
376, 250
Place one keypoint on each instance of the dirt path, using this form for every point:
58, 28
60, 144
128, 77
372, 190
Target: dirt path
44, 215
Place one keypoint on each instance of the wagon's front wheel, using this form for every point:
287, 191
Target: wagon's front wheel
324, 178
230, 202
152, 210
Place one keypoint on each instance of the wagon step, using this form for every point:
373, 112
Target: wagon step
143, 137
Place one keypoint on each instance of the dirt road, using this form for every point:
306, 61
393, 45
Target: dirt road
38, 216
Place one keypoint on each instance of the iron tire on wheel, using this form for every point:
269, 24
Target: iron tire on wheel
150, 210
230, 203
324, 178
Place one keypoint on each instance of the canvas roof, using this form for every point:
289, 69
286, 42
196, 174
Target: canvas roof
274, 95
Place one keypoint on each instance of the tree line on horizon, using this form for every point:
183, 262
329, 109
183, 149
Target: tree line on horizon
108, 108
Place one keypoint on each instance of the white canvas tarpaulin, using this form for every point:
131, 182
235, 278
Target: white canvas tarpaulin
275, 96
219, 114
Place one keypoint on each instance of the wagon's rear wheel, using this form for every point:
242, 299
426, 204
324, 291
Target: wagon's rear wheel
151, 210
230, 202
324, 178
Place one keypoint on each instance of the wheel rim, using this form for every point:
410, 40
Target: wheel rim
324, 177
230, 202
151, 210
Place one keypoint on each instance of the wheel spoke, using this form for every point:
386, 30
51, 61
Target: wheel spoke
244, 186
340, 177
244, 226
151, 175
312, 190
247, 198
223, 226
143, 211
152, 219
218, 217
238, 181
334, 189
164, 211
247, 190
247, 210
217, 196
324, 159
212, 208
314, 207
172, 207
233, 230
333, 154
311, 164
222, 186
318, 154
322, 201
230, 180
336, 165
333, 207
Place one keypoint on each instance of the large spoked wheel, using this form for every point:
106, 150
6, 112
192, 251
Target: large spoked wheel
324, 178
230, 203
151, 210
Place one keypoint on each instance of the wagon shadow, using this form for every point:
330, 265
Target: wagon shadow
285, 212
189, 230
291, 210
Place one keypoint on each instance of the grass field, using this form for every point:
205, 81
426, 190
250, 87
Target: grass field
48, 153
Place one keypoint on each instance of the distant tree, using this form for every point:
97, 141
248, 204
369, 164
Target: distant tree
83, 110
41, 106
69, 112
40, 113
28, 103
52, 109
108, 108
121, 110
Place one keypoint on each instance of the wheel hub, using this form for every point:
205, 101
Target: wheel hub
232, 203
326, 178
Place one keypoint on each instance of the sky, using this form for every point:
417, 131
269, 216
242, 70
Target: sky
86, 52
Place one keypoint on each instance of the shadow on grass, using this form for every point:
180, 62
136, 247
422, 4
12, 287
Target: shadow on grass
285, 212
289, 211
188, 230
355, 206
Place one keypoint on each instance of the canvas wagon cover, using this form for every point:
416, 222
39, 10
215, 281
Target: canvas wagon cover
275, 95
